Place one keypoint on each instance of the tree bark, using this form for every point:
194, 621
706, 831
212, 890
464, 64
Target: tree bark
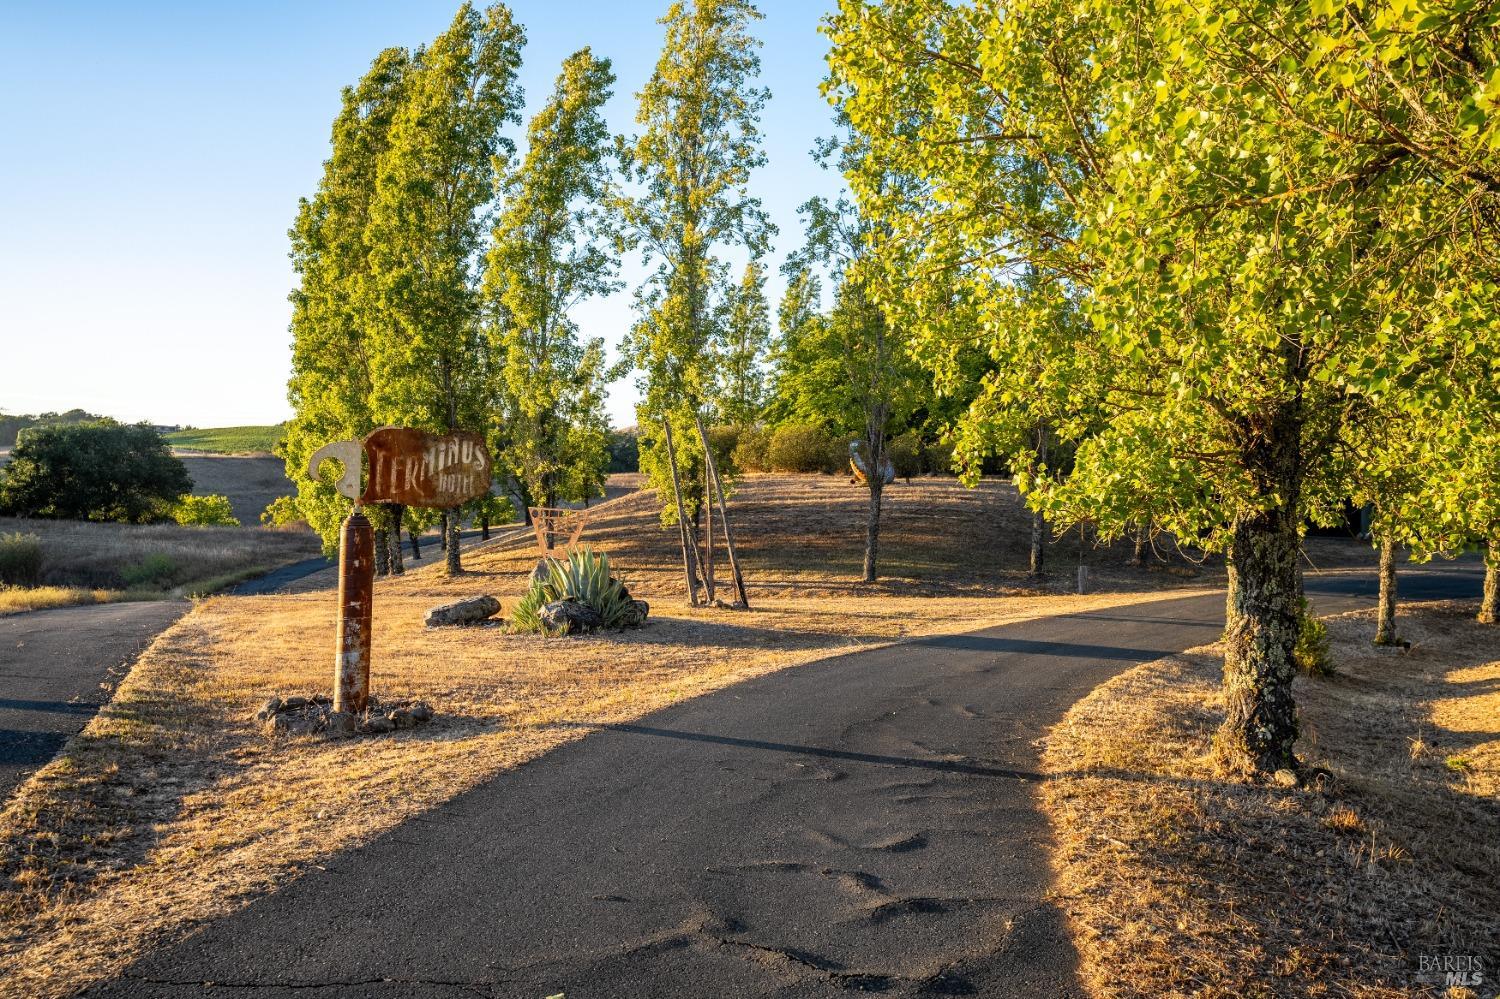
1260, 719
1489, 605
416, 545
1038, 522
1138, 557
734, 561
708, 532
382, 546
443, 530
875, 479
455, 564
396, 513
1385, 624
872, 526
484, 527
689, 546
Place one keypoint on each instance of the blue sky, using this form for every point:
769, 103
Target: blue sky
151, 157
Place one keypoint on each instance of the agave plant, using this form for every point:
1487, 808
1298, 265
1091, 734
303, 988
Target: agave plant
582, 576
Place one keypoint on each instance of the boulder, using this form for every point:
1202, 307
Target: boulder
471, 611
637, 616
377, 725
341, 724
269, 709
570, 616
402, 718
421, 711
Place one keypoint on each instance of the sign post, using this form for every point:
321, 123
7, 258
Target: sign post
410, 467
351, 670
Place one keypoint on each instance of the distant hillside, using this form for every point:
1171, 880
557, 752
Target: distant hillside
227, 440
12, 424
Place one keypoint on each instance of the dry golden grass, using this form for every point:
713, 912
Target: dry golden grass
86, 555
20, 599
1180, 883
172, 807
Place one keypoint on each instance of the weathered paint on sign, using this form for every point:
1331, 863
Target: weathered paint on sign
417, 468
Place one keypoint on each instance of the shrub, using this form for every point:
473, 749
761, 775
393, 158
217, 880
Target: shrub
93, 471
281, 512
204, 511
801, 448
1312, 653
752, 452
20, 559
906, 454
153, 570
582, 576
725, 441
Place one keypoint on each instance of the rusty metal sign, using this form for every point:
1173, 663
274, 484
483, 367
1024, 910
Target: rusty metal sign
417, 468
411, 467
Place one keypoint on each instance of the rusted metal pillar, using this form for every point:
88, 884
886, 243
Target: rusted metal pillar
351, 664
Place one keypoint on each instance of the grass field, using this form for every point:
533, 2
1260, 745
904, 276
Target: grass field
228, 440
1180, 883
152, 558
250, 481
173, 807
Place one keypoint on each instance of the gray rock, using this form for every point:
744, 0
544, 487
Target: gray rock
278, 725
470, 611
402, 718
341, 724
292, 702
421, 711
378, 724
637, 615
269, 709
569, 617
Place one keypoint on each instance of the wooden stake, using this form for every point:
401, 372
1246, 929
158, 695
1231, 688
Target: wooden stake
689, 546
713, 474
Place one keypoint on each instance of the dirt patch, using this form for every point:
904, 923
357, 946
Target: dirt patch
174, 807
1180, 883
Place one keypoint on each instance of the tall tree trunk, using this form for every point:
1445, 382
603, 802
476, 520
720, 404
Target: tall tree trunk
396, 513
1260, 717
382, 545
689, 546
1385, 624
734, 561
708, 532
484, 526
443, 530
875, 479
455, 564
1489, 606
872, 526
1142, 530
416, 545
1038, 522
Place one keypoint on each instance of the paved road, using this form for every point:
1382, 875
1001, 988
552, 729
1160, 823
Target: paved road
58, 666
866, 823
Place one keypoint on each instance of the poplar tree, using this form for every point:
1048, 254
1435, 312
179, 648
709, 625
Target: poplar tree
330, 385
430, 213
745, 342
1246, 227
552, 249
700, 140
